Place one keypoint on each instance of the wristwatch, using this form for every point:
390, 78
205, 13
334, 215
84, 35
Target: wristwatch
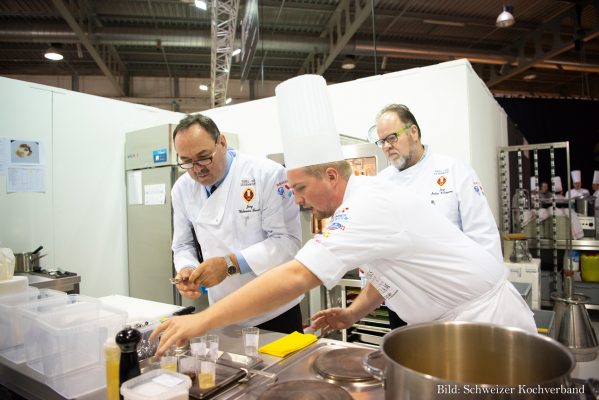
231, 269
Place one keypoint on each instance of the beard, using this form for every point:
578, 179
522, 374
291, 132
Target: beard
403, 162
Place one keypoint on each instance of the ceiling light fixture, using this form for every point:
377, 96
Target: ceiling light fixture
228, 100
201, 4
349, 62
203, 87
235, 52
529, 77
506, 18
53, 54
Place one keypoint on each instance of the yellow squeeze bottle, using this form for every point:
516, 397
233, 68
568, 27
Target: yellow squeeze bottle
112, 353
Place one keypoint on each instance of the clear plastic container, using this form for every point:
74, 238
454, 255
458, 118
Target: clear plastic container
45, 298
31, 312
158, 384
10, 330
71, 337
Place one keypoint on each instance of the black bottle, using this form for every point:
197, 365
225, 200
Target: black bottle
127, 340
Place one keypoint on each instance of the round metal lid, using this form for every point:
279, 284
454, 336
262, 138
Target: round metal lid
343, 365
305, 390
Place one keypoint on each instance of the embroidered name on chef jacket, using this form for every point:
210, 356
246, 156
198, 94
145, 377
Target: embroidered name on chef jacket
384, 287
248, 194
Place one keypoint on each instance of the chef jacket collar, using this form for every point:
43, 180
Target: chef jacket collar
230, 156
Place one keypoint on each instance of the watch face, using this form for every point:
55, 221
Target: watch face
231, 270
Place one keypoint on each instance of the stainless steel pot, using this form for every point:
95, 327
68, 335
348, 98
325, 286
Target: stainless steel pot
585, 206
28, 262
460, 360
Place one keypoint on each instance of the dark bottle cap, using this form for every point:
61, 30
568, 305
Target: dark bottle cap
127, 340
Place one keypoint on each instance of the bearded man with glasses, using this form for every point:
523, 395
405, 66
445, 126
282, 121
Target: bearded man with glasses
449, 184
234, 218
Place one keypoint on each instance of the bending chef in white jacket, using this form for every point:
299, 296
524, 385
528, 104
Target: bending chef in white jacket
449, 184
243, 215
423, 266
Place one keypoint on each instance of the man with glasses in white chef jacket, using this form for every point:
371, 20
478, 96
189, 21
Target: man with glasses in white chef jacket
422, 265
242, 213
449, 184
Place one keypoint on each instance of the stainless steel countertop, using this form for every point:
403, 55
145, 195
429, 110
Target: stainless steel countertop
68, 284
27, 383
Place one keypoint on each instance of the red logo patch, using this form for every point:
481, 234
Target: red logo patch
441, 181
248, 194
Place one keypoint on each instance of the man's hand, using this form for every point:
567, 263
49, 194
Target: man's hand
332, 319
210, 273
177, 330
186, 285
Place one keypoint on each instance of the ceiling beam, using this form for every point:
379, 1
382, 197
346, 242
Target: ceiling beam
103, 57
558, 46
344, 23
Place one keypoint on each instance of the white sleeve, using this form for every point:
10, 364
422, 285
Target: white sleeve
478, 221
280, 224
184, 250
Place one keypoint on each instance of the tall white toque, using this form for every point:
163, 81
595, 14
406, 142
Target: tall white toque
557, 181
595, 177
533, 183
307, 124
575, 175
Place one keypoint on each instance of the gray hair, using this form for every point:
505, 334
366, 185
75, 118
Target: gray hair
403, 112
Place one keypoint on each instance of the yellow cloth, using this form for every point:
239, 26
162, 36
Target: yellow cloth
288, 344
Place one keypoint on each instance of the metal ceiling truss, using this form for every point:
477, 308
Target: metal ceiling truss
525, 61
347, 18
105, 56
223, 24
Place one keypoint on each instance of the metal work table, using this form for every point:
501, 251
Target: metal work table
68, 284
29, 384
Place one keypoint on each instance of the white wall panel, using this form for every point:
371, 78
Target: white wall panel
26, 218
81, 219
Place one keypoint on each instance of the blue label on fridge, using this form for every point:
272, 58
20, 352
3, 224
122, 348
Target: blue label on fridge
159, 155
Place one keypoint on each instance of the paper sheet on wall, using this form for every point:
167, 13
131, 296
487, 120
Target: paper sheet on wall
134, 187
25, 179
155, 194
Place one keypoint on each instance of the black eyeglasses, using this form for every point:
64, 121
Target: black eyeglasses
392, 138
202, 162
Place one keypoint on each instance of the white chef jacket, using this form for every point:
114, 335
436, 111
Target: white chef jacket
425, 268
456, 192
252, 212
574, 193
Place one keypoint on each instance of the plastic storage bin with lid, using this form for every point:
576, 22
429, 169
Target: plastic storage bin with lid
589, 266
72, 337
10, 331
31, 312
20, 326
158, 384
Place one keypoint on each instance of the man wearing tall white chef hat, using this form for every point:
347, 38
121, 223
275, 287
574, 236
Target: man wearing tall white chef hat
577, 190
418, 262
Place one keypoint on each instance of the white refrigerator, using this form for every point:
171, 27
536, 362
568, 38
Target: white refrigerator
151, 171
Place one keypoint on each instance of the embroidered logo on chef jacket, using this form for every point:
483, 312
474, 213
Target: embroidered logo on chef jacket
336, 225
441, 180
284, 190
248, 194
478, 188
